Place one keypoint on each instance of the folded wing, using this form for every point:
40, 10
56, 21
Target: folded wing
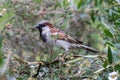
56, 33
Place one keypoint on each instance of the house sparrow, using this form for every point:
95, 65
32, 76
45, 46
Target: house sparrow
55, 37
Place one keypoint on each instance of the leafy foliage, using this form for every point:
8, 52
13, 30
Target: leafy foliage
1, 54
110, 56
96, 22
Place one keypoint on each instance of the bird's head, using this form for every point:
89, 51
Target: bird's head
43, 25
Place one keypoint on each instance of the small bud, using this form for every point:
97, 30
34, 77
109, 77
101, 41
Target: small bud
113, 75
3, 11
8, 25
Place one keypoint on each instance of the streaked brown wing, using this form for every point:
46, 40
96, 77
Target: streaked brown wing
70, 39
56, 33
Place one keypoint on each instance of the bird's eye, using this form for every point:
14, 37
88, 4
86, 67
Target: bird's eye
42, 25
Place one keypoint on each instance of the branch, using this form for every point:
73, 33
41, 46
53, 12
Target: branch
102, 69
5, 66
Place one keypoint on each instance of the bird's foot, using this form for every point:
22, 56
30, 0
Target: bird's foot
61, 58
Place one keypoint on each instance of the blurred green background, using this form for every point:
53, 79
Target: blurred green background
95, 22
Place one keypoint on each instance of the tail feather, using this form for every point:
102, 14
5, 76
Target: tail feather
85, 47
89, 49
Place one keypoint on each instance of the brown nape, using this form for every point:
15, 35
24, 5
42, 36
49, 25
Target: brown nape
49, 24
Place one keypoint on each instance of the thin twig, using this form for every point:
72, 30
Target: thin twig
108, 66
2, 72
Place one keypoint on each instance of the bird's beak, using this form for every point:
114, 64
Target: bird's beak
36, 27
33, 28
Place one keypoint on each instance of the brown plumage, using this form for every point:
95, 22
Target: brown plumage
56, 37
62, 36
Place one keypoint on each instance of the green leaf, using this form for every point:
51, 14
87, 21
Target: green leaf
103, 22
79, 4
105, 63
110, 56
92, 16
117, 68
96, 3
108, 33
0, 42
1, 57
110, 43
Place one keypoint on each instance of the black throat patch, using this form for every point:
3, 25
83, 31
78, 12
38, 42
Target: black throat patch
43, 37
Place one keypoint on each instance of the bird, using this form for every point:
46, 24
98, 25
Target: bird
56, 37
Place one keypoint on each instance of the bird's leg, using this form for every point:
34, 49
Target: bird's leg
65, 53
63, 56
51, 54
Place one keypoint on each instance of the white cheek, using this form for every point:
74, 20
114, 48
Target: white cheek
45, 29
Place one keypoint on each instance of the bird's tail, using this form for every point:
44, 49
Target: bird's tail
85, 47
